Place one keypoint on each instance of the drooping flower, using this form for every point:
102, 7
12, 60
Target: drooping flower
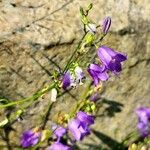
106, 24
111, 59
143, 121
60, 132
72, 78
29, 138
78, 129
98, 73
91, 28
85, 118
58, 146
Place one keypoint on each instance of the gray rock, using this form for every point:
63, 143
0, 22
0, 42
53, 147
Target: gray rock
34, 35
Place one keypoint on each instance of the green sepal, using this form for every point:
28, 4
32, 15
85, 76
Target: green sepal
90, 6
85, 20
46, 134
82, 12
4, 122
89, 38
19, 112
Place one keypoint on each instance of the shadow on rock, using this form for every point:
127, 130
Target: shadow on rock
110, 143
110, 107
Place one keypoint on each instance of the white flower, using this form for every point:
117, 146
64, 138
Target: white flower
53, 95
91, 28
79, 75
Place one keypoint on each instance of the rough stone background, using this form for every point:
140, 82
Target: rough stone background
36, 34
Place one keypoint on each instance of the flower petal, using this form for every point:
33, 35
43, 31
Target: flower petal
59, 132
58, 146
115, 66
73, 126
85, 118
66, 80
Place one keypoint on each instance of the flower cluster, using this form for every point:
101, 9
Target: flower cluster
143, 121
110, 61
77, 127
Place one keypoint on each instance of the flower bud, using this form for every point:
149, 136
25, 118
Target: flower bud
106, 25
53, 95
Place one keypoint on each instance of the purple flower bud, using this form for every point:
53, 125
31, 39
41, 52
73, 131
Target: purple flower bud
58, 146
84, 118
143, 121
111, 59
29, 138
78, 129
60, 132
98, 73
106, 25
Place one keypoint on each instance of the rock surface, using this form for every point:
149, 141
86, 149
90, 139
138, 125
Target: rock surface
36, 34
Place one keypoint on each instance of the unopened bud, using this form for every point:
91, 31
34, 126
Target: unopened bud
106, 25
53, 95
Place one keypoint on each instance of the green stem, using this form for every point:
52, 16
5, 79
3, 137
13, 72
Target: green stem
33, 97
72, 56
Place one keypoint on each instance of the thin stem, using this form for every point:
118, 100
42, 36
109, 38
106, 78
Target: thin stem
44, 122
70, 60
33, 97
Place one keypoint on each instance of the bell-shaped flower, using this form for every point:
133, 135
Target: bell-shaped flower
143, 121
111, 59
85, 118
106, 25
78, 129
29, 138
98, 73
58, 146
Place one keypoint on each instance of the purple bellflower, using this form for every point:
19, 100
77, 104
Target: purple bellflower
85, 118
29, 138
143, 121
106, 25
60, 132
111, 59
78, 129
72, 79
98, 73
58, 146
79, 126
